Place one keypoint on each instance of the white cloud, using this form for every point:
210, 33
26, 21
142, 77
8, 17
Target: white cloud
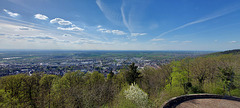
11, 13
104, 30
56, 20
99, 26
41, 17
115, 32
233, 41
64, 22
160, 39
118, 32
138, 34
60, 21
71, 28
23, 28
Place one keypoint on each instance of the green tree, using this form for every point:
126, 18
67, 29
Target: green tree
110, 76
45, 97
132, 74
227, 76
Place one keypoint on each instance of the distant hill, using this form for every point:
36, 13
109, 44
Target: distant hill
234, 52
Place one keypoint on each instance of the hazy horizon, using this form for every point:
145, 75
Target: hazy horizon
119, 25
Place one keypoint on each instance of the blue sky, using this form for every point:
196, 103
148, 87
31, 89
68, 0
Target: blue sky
120, 24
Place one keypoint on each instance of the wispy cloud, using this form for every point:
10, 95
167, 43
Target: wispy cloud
71, 28
159, 39
233, 41
41, 37
15, 21
104, 30
118, 32
187, 41
116, 15
138, 34
210, 17
124, 18
23, 28
32, 37
111, 13
89, 41
115, 32
40, 17
11, 13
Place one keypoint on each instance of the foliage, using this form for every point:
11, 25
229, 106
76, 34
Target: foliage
135, 94
132, 74
209, 74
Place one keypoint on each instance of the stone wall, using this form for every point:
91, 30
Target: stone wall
172, 103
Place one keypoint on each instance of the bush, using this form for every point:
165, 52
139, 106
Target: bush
235, 92
136, 95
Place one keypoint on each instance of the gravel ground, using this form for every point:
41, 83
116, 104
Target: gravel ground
209, 103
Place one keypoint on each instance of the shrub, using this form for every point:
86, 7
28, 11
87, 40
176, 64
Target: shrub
136, 95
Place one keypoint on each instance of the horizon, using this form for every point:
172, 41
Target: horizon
121, 25
115, 50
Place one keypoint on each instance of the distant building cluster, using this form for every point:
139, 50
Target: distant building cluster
102, 65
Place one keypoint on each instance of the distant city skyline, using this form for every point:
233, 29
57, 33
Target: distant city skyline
120, 24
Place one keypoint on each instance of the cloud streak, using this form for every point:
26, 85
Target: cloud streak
210, 17
115, 32
138, 34
110, 12
124, 18
118, 32
11, 13
233, 41
23, 28
71, 28
89, 41
160, 39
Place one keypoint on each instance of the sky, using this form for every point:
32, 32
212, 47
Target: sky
204, 25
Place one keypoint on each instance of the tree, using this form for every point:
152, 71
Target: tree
132, 74
45, 90
227, 76
200, 70
110, 75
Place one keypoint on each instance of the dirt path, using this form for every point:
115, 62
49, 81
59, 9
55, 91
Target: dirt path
209, 103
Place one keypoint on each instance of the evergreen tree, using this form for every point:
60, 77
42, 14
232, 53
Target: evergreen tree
132, 74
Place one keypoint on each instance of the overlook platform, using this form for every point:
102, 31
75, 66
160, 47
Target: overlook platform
203, 101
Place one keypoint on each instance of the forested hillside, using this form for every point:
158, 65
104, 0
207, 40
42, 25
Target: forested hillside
132, 87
